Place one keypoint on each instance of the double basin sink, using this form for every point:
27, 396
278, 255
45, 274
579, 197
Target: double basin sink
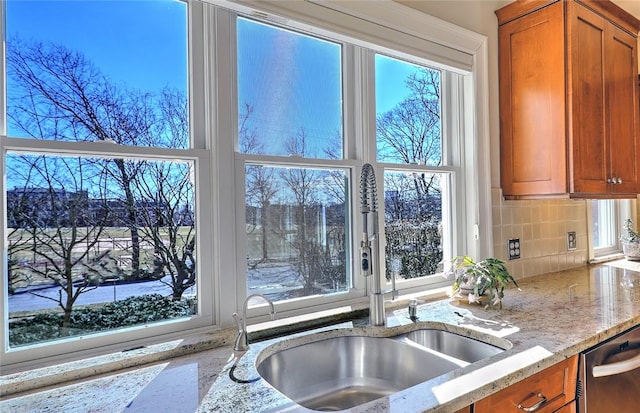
341, 372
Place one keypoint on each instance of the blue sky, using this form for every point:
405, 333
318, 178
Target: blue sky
390, 82
292, 81
141, 43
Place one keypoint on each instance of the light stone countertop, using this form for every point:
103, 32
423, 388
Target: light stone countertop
553, 317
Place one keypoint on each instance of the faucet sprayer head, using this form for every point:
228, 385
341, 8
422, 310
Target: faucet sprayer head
368, 190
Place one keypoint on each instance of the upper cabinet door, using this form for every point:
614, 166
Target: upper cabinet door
586, 95
603, 101
622, 102
532, 103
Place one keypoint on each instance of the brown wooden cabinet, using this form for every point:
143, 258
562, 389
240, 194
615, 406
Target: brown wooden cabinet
550, 390
568, 408
569, 118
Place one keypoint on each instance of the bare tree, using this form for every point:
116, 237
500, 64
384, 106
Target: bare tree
166, 190
20, 240
58, 94
303, 185
260, 180
260, 190
164, 193
410, 134
18, 245
248, 139
65, 230
334, 150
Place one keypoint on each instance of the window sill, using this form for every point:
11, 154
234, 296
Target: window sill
38, 378
606, 258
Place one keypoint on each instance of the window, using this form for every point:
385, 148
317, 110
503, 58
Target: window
101, 218
605, 233
207, 152
296, 238
289, 92
296, 212
607, 219
298, 169
409, 132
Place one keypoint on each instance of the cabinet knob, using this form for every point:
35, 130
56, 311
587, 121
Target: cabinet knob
610, 180
619, 180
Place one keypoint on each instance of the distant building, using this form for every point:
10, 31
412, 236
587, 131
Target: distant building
44, 207
29, 207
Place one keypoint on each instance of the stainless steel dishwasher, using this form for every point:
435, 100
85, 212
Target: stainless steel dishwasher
609, 375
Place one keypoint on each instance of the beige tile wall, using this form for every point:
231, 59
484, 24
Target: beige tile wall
541, 226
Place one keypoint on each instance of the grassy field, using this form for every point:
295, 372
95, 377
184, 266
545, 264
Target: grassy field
116, 241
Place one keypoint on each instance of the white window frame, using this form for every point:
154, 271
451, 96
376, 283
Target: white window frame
620, 210
199, 153
389, 25
471, 225
453, 181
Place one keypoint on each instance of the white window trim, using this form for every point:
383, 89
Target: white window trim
213, 124
390, 26
23, 357
623, 209
473, 226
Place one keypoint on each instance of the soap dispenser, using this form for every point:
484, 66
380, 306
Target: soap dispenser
413, 309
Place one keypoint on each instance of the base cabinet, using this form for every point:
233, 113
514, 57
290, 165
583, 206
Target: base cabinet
551, 390
568, 408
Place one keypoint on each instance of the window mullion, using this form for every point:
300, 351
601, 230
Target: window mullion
349, 110
200, 37
367, 98
227, 182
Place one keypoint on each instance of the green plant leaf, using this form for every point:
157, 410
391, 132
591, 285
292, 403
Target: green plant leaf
489, 276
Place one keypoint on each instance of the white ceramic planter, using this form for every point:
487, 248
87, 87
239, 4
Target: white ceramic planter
631, 250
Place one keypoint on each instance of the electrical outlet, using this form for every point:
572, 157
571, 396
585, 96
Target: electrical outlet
572, 241
514, 248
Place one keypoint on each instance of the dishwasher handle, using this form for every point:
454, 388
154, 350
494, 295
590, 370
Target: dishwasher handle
617, 368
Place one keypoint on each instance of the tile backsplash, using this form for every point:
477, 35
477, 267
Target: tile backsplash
542, 227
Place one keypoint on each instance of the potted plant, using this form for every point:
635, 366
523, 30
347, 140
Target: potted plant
630, 240
482, 281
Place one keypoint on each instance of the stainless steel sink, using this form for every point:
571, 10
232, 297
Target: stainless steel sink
342, 372
454, 345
